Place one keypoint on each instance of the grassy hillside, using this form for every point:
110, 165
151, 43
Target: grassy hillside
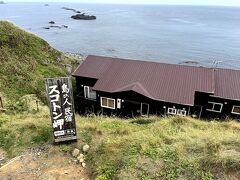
153, 148
25, 61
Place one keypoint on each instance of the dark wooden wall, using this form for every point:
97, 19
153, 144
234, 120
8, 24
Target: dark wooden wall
132, 103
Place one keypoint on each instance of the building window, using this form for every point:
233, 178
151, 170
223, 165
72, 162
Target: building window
108, 103
236, 110
172, 111
89, 93
215, 107
181, 112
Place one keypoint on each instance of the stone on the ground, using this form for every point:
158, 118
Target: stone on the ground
75, 152
86, 148
80, 156
81, 160
65, 172
76, 161
2, 158
83, 164
2, 155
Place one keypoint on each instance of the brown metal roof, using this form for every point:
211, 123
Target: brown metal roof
227, 83
158, 81
93, 67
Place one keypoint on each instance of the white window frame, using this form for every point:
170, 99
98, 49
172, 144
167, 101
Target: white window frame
181, 112
88, 93
221, 104
233, 109
107, 103
141, 110
173, 109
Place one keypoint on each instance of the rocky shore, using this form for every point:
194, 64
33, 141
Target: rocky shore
79, 57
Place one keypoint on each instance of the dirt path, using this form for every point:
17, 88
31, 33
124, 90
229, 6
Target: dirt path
45, 163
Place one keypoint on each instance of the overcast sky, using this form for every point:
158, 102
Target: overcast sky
188, 2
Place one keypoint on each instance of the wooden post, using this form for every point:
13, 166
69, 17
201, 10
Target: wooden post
37, 105
200, 112
1, 103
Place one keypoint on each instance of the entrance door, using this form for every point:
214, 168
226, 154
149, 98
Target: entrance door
144, 109
196, 111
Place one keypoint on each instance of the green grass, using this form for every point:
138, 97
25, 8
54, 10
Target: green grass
18, 132
166, 148
23, 58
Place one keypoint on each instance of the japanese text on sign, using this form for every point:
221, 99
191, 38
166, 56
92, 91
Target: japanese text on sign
61, 108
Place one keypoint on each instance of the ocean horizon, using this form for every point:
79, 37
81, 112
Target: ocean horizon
178, 34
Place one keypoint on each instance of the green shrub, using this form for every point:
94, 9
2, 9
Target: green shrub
7, 139
44, 134
65, 148
87, 134
143, 121
2, 121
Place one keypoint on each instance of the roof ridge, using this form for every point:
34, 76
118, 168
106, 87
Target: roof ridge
125, 87
132, 87
144, 89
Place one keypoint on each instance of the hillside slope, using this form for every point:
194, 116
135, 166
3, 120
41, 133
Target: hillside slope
25, 60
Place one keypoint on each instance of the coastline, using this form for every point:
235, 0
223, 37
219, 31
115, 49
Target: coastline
76, 56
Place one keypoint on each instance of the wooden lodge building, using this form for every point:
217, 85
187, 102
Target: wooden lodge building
131, 88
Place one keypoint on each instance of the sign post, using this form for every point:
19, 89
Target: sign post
61, 106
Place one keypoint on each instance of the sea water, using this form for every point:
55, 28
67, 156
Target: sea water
206, 36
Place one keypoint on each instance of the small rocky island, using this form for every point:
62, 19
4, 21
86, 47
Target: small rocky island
83, 17
55, 26
79, 15
2, 2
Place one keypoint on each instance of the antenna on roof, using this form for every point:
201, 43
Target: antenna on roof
215, 63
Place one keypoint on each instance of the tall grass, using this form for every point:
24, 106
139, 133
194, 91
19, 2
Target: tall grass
160, 148
167, 148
